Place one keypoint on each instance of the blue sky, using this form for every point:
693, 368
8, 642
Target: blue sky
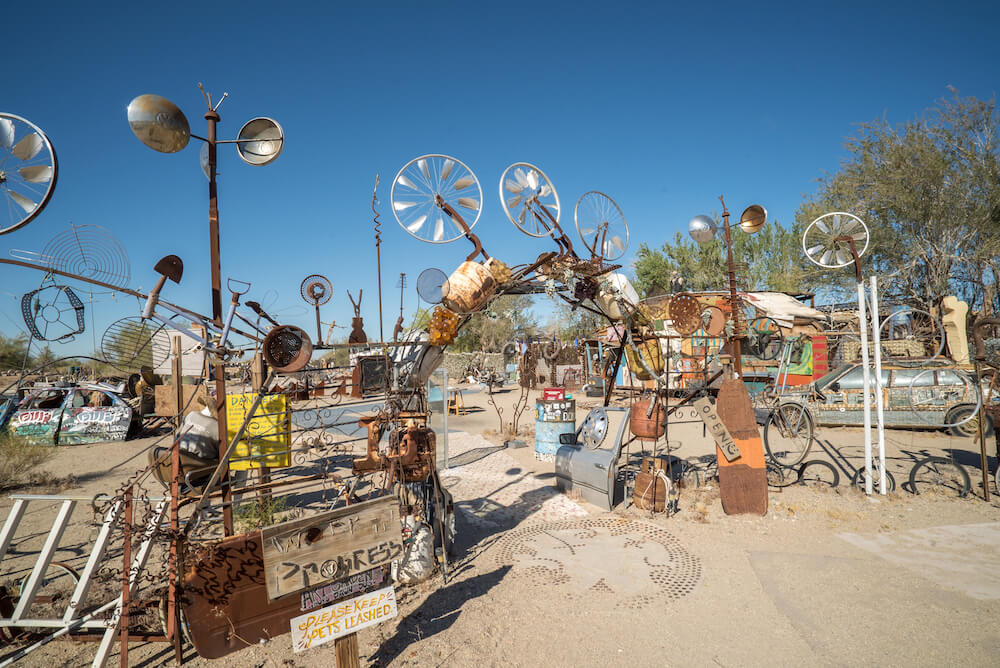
663, 107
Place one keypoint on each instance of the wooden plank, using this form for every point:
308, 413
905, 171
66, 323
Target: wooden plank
742, 482
330, 546
166, 400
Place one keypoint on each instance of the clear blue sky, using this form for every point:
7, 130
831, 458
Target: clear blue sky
662, 106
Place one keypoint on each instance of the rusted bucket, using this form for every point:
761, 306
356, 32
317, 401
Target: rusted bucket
647, 428
469, 287
650, 491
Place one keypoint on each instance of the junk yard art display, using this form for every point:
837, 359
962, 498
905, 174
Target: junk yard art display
295, 495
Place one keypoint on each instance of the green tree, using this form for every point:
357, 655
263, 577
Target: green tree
771, 259
12, 349
929, 190
506, 318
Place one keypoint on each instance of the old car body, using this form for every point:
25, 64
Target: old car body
72, 415
914, 397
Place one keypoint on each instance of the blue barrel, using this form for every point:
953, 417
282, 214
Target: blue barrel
554, 417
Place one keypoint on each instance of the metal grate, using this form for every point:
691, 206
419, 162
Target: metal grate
619, 562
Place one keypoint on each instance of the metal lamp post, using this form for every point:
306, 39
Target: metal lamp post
162, 126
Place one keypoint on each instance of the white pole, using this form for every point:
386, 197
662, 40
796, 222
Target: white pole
866, 395
879, 400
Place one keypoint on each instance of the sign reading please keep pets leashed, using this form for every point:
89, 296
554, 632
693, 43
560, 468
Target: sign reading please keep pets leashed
321, 626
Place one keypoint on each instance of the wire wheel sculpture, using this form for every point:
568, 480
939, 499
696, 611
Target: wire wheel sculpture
89, 251
132, 343
316, 290
423, 185
524, 190
53, 313
28, 171
764, 339
601, 225
911, 337
827, 240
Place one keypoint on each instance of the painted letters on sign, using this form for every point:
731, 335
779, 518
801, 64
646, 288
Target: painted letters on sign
334, 545
718, 430
321, 626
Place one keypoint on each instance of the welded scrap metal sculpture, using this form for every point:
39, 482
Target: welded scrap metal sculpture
28, 171
53, 313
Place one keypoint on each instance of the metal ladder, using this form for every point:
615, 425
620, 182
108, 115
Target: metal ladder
71, 619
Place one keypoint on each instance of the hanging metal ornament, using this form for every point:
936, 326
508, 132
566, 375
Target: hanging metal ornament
53, 313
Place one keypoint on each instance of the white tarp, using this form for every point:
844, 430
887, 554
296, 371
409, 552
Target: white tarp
783, 309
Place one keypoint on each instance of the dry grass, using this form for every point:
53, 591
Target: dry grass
18, 458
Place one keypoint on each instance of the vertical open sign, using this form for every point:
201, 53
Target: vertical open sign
727, 445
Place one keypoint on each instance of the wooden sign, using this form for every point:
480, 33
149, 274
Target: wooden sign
341, 589
330, 546
340, 619
723, 439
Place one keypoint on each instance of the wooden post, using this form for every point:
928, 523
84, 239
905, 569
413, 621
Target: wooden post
177, 378
257, 372
346, 648
257, 382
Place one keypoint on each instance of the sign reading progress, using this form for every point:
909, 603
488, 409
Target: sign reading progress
330, 546
718, 430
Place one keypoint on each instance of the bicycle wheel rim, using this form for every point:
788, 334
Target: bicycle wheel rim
940, 474
788, 435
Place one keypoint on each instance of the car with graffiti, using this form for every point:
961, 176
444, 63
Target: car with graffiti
933, 396
73, 415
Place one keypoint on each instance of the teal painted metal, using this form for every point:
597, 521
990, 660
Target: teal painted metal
553, 417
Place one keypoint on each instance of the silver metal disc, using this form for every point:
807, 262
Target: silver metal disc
594, 428
266, 141
158, 123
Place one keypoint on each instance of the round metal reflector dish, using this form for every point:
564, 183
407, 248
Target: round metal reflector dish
158, 123
266, 141
753, 218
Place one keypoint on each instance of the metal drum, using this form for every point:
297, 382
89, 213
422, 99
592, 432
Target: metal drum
554, 417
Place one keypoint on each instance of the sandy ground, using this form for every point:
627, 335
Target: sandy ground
827, 577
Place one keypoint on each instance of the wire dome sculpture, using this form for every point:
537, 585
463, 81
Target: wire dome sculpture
53, 313
131, 343
89, 251
28, 171
432, 285
316, 290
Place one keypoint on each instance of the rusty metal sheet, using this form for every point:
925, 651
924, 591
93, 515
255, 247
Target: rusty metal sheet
330, 546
